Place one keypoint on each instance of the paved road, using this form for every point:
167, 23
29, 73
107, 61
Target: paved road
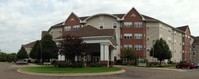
7, 71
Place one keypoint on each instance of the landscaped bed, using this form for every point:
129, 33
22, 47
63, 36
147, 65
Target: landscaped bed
52, 69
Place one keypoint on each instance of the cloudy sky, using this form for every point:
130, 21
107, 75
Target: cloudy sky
21, 21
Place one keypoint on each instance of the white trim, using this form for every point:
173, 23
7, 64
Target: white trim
136, 11
101, 15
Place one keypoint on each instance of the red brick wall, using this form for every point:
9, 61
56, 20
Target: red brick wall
186, 47
133, 30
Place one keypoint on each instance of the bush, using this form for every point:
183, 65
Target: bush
95, 65
153, 64
118, 62
62, 64
77, 65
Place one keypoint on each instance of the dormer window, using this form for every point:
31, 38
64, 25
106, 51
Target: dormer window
101, 25
114, 25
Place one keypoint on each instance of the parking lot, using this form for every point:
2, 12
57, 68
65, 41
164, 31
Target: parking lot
8, 71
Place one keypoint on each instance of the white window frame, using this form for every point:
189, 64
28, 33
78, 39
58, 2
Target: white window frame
138, 47
128, 36
114, 25
138, 36
128, 46
101, 25
76, 27
138, 24
128, 24
67, 28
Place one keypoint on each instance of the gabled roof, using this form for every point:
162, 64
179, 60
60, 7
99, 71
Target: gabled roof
196, 40
83, 18
57, 25
30, 45
183, 28
136, 11
89, 31
119, 15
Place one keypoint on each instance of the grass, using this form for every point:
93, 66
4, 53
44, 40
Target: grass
51, 69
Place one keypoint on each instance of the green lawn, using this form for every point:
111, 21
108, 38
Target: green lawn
51, 69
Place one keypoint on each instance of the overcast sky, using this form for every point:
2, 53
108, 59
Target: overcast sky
21, 21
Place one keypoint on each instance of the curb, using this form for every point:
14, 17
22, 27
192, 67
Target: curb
71, 74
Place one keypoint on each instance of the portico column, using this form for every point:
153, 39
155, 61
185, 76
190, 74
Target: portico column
104, 54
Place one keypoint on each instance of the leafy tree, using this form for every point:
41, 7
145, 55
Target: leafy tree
11, 57
22, 54
35, 53
72, 46
2, 57
160, 50
128, 53
49, 48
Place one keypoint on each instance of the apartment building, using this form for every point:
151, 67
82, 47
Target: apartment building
195, 46
131, 30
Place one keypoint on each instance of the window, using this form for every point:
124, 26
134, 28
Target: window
194, 46
67, 28
138, 24
127, 36
138, 36
138, 47
127, 24
76, 27
101, 25
194, 53
148, 28
114, 25
127, 46
148, 38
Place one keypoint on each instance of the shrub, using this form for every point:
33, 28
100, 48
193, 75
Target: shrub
95, 65
62, 64
118, 62
77, 65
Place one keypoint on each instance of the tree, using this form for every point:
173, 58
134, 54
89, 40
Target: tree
11, 57
72, 46
35, 53
160, 50
22, 54
2, 57
49, 48
128, 53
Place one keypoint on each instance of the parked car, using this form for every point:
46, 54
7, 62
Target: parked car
196, 64
21, 62
184, 64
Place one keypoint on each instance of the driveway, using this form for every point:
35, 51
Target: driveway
8, 71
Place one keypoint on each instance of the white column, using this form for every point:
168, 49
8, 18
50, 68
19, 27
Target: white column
101, 52
104, 52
